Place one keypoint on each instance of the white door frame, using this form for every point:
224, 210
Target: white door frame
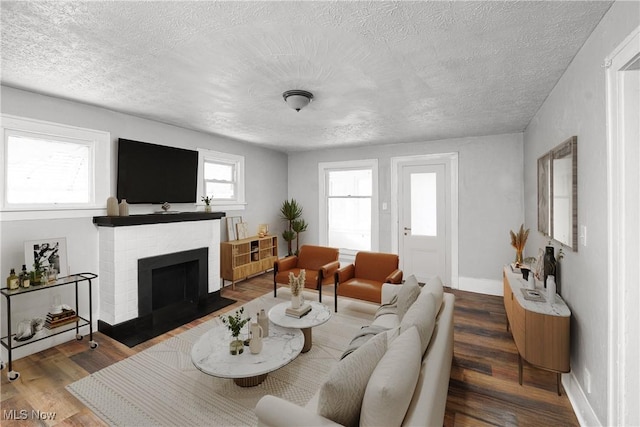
621, 405
451, 160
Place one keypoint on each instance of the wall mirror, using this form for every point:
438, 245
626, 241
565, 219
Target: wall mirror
558, 193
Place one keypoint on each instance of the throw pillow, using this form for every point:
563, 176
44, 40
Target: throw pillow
434, 286
422, 315
365, 334
340, 397
391, 386
407, 295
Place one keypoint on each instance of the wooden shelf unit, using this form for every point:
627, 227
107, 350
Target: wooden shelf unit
240, 259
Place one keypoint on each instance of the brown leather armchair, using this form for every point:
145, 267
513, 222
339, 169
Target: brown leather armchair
319, 263
363, 279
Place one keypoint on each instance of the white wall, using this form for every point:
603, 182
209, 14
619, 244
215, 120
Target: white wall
576, 106
490, 196
266, 187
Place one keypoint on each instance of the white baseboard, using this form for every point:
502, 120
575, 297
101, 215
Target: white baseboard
481, 286
583, 410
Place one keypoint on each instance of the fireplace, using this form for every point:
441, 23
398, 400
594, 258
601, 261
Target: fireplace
157, 272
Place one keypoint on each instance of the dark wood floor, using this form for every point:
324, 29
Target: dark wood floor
483, 389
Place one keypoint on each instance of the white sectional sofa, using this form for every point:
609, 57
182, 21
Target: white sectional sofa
389, 379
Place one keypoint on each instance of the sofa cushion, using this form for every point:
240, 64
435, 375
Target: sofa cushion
340, 397
422, 315
434, 286
407, 295
393, 382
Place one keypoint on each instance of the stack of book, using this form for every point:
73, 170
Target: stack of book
55, 320
298, 312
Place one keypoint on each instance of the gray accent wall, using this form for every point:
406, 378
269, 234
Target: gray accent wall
490, 194
577, 106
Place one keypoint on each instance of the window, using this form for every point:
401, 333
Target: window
348, 205
221, 177
51, 166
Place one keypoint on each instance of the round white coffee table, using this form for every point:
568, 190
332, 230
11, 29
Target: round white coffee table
318, 315
211, 355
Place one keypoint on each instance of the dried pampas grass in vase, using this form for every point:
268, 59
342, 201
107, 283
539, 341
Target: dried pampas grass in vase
518, 241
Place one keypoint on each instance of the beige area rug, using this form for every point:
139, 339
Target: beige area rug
161, 387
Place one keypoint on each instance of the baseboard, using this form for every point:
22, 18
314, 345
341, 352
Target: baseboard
583, 410
481, 286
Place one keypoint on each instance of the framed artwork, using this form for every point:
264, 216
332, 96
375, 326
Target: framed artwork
232, 222
44, 253
242, 228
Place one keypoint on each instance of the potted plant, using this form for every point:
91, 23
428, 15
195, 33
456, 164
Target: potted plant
235, 322
291, 212
207, 203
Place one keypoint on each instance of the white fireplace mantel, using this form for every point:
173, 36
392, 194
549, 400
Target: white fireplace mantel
121, 247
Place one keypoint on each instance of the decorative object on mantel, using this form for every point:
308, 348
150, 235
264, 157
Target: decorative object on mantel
518, 241
166, 206
235, 323
207, 203
124, 208
112, 207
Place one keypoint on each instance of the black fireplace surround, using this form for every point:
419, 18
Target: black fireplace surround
172, 291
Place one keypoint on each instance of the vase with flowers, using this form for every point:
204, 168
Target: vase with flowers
518, 241
207, 203
296, 284
235, 323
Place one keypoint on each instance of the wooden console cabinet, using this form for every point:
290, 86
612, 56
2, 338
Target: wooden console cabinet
240, 259
540, 330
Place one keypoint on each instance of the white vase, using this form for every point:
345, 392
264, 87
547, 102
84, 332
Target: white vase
124, 208
551, 289
112, 207
296, 301
256, 338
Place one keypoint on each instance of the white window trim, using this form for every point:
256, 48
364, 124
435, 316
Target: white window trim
217, 156
323, 168
100, 169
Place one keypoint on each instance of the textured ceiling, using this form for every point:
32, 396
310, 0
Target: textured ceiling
380, 72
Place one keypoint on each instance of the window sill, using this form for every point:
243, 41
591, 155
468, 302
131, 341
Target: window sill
25, 215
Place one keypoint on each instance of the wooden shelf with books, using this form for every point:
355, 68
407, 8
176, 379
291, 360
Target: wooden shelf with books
240, 259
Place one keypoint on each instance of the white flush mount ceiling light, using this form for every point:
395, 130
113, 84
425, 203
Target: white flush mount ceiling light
297, 99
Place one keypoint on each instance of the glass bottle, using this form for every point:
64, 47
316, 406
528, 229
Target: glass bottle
13, 281
25, 280
549, 263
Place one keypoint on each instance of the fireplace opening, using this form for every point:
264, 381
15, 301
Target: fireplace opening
171, 284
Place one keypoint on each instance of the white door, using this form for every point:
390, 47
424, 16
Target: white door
422, 221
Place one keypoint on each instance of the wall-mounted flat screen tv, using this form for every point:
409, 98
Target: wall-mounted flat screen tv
150, 173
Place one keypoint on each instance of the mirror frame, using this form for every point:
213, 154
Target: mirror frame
568, 148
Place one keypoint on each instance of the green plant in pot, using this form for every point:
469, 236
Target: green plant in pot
235, 323
291, 212
207, 203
